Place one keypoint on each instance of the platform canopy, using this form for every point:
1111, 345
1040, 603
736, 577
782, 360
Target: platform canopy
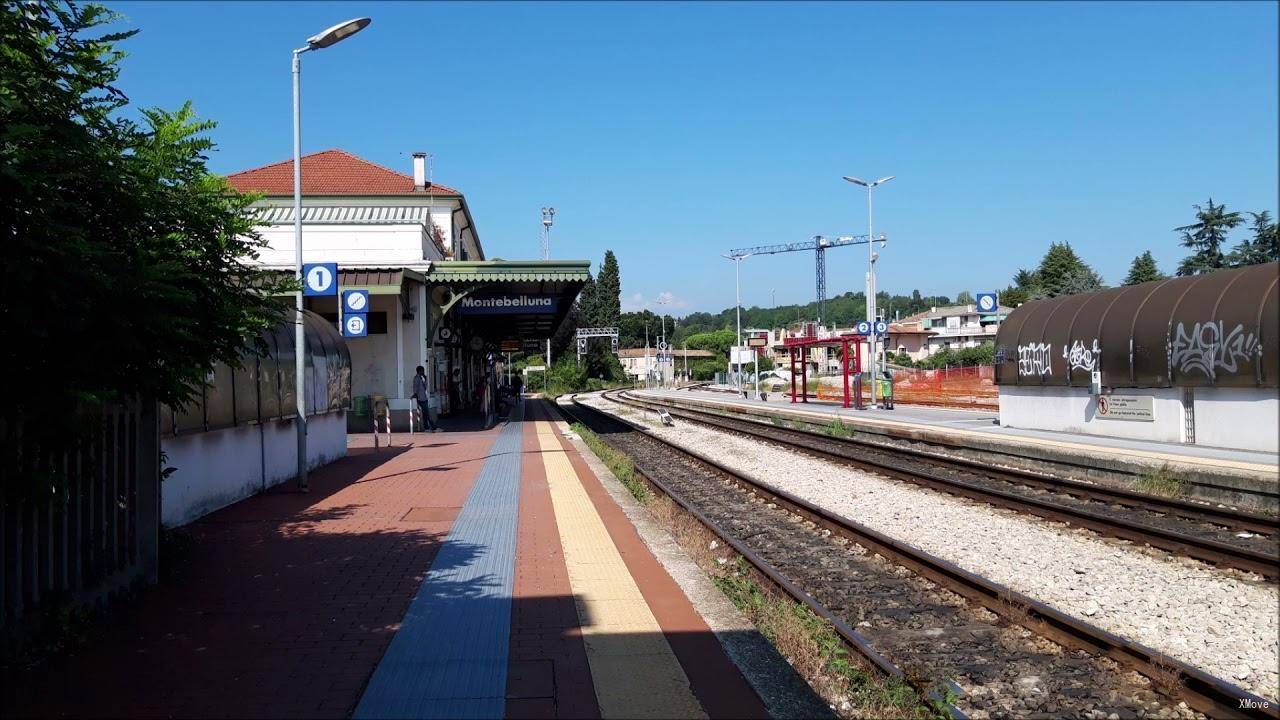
508, 299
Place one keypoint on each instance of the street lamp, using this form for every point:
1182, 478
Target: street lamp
321, 40
737, 293
548, 219
663, 301
872, 256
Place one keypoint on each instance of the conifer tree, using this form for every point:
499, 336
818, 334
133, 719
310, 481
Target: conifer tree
1144, 269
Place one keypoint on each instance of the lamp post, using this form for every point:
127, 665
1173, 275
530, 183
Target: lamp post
872, 256
663, 301
737, 294
319, 41
548, 219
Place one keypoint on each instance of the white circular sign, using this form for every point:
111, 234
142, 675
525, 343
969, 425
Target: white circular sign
863, 327
987, 302
319, 279
357, 302
882, 327
355, 324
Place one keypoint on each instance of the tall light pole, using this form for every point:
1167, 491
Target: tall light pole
737, 294
872, 256
548, 219
663, 301
319, 41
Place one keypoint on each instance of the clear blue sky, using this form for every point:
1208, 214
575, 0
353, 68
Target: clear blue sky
672, 132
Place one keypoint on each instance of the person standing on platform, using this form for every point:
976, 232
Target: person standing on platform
420, 394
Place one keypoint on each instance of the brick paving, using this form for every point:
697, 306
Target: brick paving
286, 602
547, 674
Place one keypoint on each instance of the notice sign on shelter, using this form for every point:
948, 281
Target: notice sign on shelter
1126, 407
514, 304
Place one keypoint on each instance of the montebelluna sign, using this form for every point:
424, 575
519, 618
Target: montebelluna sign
507, 304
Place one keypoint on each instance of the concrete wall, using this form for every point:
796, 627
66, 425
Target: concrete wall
215, 469
392, 245
1244, 419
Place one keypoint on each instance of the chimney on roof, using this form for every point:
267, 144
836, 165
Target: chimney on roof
419, 171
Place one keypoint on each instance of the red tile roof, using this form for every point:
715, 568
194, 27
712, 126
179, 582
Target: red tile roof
331, 172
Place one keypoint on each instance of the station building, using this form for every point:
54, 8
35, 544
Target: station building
436, 300
1185, 360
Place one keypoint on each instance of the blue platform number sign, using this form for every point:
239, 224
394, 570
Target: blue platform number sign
987, 303
320, 279
355, 325
355, 301
882, 327
863, 327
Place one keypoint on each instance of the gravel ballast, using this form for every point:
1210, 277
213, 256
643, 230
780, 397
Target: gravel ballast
1220, 621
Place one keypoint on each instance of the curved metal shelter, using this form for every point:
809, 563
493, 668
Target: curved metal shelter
262, 388
1221, 329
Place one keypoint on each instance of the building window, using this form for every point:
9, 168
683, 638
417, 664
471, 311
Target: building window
953, 322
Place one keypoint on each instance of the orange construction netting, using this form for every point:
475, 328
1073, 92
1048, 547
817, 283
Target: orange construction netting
956, 387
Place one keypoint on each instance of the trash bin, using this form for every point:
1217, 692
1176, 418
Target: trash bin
361, 406
886, 389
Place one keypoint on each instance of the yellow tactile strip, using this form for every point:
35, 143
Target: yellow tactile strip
634, 670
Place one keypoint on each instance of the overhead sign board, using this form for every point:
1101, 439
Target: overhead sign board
987, 303
355, 325
1139, 408
355, 301
508, 304
510, 346
320, 279
742, 355
758, 341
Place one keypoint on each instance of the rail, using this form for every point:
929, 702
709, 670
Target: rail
1200, 690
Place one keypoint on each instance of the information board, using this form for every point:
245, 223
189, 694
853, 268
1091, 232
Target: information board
1139, 408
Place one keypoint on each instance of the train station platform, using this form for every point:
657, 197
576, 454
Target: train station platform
1251, 472
465, 574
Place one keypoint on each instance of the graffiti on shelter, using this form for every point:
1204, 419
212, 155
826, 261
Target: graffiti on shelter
1082, 357
1208, 348
1034, 359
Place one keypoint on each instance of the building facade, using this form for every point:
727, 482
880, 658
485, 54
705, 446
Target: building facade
435, 300
642, 363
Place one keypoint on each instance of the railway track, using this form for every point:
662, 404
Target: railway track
1217, 535
913, 614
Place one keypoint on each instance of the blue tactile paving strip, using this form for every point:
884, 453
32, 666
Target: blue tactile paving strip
449, 657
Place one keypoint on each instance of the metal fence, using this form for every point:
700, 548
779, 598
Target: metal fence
79, 522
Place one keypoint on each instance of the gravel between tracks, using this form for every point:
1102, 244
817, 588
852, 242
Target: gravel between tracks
1207, 618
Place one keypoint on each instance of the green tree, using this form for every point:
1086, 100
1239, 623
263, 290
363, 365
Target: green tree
717, 342
1144, 269
1205, 238
1263, 247
123, 255
964, 298
1062, 272
608, 293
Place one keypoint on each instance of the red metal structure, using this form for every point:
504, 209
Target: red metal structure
850, 345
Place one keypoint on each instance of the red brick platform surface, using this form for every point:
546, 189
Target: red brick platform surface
286, 602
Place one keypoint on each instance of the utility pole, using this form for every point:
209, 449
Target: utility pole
872, 256
548, 218
737, 295
319, 41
